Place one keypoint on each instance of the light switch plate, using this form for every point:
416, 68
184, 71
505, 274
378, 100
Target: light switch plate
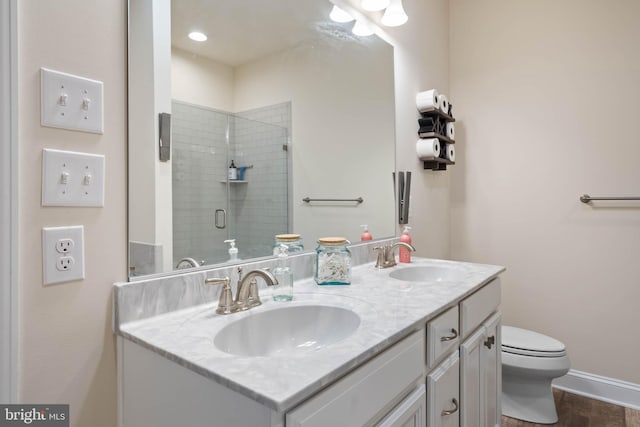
62, 254
71, 102
72, 179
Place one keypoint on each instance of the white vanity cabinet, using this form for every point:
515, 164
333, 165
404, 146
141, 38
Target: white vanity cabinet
464, 388
430, 359
480, 363
387, 390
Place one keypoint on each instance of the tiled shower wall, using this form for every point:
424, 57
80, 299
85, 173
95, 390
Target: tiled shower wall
257, 209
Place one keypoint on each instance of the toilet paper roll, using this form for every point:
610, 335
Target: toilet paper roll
451, 131
427, 100
444, 103
428, 148
451, 152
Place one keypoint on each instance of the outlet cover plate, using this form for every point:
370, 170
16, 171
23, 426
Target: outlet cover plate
72, 179
74, 258
71, 102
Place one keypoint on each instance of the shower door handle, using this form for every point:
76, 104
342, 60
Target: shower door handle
220, 213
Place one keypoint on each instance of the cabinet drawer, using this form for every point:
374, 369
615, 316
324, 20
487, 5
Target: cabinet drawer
443, 394
367, 393
477, 307
442, 336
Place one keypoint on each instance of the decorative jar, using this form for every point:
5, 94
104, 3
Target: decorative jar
333, 261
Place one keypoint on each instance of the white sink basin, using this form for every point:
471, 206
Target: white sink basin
287, 330
427, 274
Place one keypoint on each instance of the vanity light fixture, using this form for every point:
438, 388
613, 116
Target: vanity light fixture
340, 15
197, 36
395, 15
374, 5
361, 29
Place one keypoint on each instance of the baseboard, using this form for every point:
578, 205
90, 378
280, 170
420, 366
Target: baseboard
600, 388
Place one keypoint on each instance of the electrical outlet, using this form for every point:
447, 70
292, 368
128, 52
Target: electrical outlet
62, 254
64, 246
65, 263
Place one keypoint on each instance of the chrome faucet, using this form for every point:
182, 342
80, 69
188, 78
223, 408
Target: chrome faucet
247, 295
386, 257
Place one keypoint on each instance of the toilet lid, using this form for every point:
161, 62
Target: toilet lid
529, 343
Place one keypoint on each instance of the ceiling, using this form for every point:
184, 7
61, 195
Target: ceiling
241, 31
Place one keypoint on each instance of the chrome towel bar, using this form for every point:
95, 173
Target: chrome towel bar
585, 198
309, 200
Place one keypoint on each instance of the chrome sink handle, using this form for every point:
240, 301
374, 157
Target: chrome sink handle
225, 302
380, 260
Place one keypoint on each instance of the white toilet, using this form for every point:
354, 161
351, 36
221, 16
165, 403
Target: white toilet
529, 362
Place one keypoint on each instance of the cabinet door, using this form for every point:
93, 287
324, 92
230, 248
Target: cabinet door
471, 380
481, 376
411, 412
492, 372
443, 394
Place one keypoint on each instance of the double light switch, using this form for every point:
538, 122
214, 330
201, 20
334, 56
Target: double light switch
71, 102
72, 179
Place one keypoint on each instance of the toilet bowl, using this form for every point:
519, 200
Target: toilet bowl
530, 361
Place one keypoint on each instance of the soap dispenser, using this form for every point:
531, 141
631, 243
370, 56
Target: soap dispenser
233, 251
405, 254
233, 171
365, 236
283, 290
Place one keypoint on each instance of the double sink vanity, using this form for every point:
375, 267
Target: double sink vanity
413, 345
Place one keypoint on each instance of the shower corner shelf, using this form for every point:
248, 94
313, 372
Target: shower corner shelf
235, 181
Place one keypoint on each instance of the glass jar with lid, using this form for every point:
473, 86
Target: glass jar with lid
293, 242
333, 261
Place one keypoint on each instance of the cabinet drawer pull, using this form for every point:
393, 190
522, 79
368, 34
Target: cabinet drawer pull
453, 336
490, 341
451, 411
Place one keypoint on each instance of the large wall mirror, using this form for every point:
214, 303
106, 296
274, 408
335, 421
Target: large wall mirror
303, 108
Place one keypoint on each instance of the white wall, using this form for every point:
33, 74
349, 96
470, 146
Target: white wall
201, 81
547, 99
421, 49
66, 342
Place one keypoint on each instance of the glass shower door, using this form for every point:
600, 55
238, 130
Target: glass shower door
209, 208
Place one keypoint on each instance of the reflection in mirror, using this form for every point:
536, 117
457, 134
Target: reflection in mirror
301, 106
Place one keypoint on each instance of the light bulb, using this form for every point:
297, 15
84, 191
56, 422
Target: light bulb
197, 36
339, 15
374, 5
395, 15
361, 29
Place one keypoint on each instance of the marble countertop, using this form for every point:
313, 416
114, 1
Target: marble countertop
389, 310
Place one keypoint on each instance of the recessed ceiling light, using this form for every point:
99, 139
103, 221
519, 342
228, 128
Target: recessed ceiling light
197, 36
